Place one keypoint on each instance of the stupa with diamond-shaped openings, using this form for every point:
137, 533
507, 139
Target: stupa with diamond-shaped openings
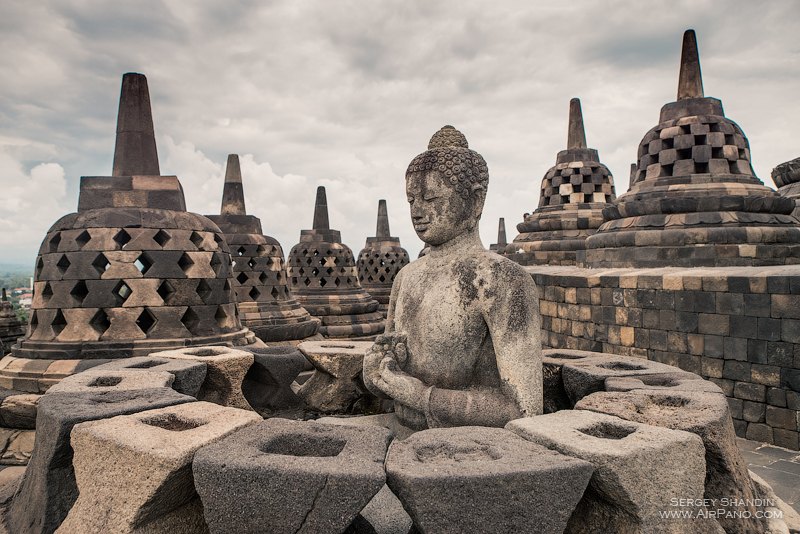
324, 278
380, 260
266, 306
132, 272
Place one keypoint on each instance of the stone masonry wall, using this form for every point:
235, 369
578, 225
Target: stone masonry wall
738, 327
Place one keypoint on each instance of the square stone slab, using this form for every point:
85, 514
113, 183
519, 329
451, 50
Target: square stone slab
189, 375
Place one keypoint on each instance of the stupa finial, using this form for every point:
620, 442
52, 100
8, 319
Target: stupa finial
576, 136
690, 83
321, 210
135, 151
233, 192
501, 232
383, 220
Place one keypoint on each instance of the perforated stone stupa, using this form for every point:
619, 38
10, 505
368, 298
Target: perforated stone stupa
695, 200
131, 272
11, 328
574, 192
324, 278
266, 306
787, 179
380, 260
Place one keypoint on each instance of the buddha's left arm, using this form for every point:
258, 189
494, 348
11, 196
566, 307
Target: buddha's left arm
512, 315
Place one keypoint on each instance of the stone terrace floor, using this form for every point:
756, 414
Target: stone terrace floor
779, 467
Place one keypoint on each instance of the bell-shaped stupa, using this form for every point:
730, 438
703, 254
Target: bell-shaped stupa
787, 179
266, 306
694, 200
11, 328
380, 260
132, 272
324, 278
573, 195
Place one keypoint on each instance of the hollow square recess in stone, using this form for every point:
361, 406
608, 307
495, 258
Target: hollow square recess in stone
303, 445
105, 381
608, 431
172, 422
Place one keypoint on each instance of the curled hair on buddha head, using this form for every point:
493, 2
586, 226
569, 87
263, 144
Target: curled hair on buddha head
462, 169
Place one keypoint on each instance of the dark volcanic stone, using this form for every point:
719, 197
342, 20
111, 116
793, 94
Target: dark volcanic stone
48, 490
480, 479
267, 385
189, 376
290, 476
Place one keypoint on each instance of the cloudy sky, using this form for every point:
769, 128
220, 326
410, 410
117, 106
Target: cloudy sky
345, 93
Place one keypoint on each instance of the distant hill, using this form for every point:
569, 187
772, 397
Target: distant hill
16, 268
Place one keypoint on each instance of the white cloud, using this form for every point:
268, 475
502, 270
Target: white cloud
345, 94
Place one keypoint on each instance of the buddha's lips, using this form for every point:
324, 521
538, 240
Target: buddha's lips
421, 227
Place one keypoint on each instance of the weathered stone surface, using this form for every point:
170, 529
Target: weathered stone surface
484, 480
639, 469
385, 514
663, 382
149, 456
189, 375
19, 411
225, 372
16, 446
268, 383
11, 328
286, 476
463, 336
781, 516
555, 395
117, 379
701, 413
336, 384
582, 377
388, 421
48, 490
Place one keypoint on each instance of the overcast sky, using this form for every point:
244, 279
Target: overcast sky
345, 93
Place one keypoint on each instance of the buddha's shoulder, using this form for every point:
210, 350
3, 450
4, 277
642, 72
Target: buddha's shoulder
495, 265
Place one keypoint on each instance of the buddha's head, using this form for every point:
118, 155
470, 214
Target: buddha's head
446, 188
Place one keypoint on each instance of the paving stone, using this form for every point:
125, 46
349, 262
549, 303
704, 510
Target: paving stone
703, 414
639, 469
149, 454
48, 489
189, 375
489, 479
286, 476
117, 379
225, 372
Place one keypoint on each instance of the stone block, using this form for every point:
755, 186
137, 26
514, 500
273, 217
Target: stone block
336, 384
286, 476
751, 392
108, 380
639, 470
676, 381
225, 372
481, 479
48, 490
705, 415
189, 375
148, 456
268, 383
19, 411
584, 377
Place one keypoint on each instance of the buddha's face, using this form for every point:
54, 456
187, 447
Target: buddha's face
438, 213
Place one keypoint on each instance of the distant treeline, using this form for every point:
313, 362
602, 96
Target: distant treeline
11, 280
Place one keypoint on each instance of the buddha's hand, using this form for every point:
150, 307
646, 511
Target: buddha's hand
401, 386
391, 345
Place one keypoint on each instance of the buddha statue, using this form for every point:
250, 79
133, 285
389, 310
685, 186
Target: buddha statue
462, 341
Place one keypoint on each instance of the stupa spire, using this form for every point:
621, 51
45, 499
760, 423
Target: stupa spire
233, 192
321, 210
690, 83
383, 220
5, 295
576, 136
501, 232
135, 151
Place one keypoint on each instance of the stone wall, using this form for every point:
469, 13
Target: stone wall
737, 326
